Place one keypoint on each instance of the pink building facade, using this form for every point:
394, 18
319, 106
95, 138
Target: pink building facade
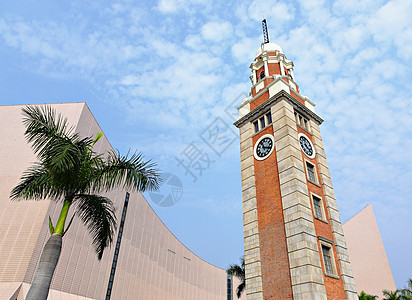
152, 262
370, 264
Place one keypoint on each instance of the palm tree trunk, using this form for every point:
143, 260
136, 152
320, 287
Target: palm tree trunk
39, 289
40, 286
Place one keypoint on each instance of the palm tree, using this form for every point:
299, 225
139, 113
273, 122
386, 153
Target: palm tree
407, 291
239, 272
69, 171
392, 295
364, 296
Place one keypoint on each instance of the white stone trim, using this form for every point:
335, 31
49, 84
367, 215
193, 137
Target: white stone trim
306, 162
322, 242
322, 206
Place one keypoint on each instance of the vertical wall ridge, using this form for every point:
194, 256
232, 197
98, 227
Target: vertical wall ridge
304, 259
335, 222
253, 274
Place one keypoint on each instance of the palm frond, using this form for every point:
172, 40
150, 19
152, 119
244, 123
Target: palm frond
35, 183
52, 140
237, 271
364, 296
391, 295
63, 154
240, 289
42, 125
97, 213
130, 172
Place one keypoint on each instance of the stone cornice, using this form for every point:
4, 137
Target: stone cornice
282, 95
321, 238
276, 78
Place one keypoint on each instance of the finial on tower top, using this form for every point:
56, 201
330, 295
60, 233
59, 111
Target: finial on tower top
265, 32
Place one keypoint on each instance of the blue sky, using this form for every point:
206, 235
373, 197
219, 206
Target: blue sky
158, 75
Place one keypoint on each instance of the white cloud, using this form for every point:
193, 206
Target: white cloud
170, 6
355, 6
216, 31
173, 6
260, 9
391, 25
195, 42
244, 50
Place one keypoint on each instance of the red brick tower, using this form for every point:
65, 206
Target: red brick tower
294, 242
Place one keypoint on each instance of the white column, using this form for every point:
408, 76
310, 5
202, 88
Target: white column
254, 76
265, 61
282, 68
291, 73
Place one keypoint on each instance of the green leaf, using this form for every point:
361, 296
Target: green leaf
98, 136
51, 226
68, 226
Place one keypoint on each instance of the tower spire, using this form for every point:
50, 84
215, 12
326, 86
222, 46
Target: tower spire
265, 32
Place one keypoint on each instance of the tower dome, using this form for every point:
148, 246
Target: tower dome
270, 47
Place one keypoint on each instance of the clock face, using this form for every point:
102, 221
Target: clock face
264, 147
306, 145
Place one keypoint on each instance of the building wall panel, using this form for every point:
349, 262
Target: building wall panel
146, 268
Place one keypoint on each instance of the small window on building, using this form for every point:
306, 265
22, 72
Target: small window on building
311, 172
269, 118
327, 259
229, 287
262, 75
317, 207
262, 122
256, 125
302, 121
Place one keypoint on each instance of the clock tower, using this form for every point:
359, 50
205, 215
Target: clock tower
294, 243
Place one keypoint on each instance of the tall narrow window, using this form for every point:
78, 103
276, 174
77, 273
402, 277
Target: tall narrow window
256, 125
262, 122
317, 207
269, 118
262, 75
327, 259
229, 287
116, 251
311, 172
301, 121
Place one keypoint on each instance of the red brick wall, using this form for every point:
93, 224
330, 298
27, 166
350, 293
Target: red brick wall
294, 95
259, 100
334, 287
274, 68
273, 250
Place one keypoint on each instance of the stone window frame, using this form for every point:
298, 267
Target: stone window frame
299, 118
327, 243
257, 123
315, 172
262, 121
322, 207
